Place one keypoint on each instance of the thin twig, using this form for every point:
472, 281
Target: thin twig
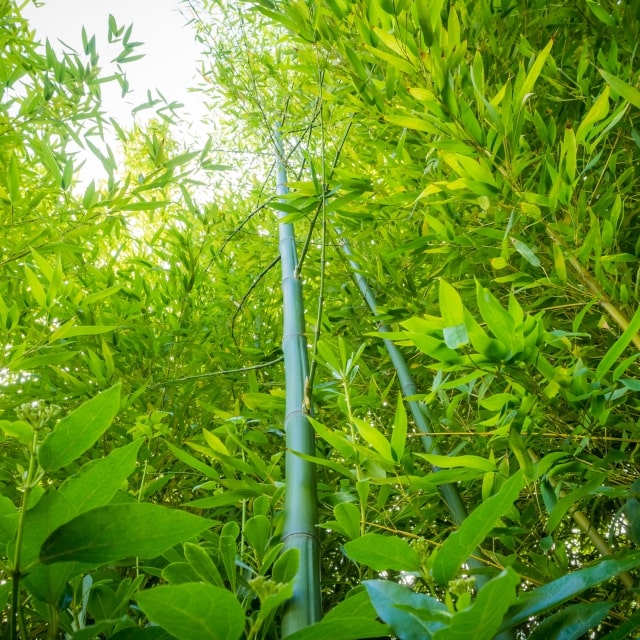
254, 284
212, 374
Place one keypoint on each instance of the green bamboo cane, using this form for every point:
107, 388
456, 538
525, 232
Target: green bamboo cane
420, 412
300, 511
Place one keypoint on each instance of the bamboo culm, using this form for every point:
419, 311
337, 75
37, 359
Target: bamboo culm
300, 516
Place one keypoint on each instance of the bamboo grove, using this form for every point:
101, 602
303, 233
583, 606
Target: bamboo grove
364, 364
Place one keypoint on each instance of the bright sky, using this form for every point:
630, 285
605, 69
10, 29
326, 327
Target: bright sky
170, 46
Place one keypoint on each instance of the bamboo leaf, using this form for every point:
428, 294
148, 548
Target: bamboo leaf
534, 73
547, 597
374, 438
564, 504
615, 351
629, 93
572, 622
461, 543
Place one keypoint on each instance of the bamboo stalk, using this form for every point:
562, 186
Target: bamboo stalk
300, 511
419, 411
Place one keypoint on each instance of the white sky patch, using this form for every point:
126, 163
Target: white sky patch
171, 54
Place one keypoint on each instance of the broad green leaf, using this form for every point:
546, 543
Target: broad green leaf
549, 596
383, 552
118, 531
194, 610
462, 543
78, 431
572, 622
98, 481
352, 628
257, 531
19, 429
482, 619
615, 351
348, 518
629, 93
399, 432
356, 604
51, 511
411, 616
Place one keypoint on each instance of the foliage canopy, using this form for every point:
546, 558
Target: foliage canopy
462, 187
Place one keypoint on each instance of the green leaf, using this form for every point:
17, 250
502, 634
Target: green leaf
353, 628
36, 288
615, 351
98, 481
194, 610
348, 519
399, 432
257, 531
374, 438
78, 431
449, 462
482, 619
452, 310
598, 111
534, 73
572, 622
494, 314
19, 429
411, 616
69, 330
564, 504
551, 595
202, 564
117, 531
629, 93
383, 552
526, 252
462, 543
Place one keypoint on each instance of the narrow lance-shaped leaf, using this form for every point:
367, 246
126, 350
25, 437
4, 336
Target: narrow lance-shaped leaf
461, 543
548, 596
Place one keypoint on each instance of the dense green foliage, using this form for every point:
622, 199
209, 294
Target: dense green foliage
470, 168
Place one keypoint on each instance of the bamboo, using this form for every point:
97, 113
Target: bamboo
419, 411
422, 418
300, 511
